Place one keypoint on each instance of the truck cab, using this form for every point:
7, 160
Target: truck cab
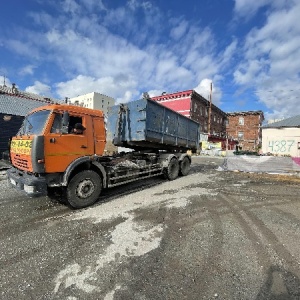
45, 146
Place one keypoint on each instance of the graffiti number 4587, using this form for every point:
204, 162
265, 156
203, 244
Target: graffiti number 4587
281, 145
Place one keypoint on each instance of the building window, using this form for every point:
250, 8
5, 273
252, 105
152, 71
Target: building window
240, 135
241, 121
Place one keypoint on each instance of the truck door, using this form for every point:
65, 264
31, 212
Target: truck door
99, 135
63, 148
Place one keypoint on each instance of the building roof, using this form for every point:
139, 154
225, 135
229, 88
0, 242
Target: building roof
89, 94
245, 113
17, 106
186, 94
166, 96
289, 122
20, 103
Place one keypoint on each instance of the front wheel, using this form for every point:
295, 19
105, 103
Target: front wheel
84, 189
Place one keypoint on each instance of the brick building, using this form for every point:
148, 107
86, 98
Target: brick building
192, 105
246, 128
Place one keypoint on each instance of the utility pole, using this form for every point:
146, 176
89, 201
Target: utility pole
209, 109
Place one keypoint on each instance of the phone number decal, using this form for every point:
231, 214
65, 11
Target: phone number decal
21, 146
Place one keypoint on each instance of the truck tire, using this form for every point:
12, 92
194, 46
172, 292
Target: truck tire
172, 171
84, 189
185, 166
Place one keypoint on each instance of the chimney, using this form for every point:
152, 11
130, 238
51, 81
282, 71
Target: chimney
14, 89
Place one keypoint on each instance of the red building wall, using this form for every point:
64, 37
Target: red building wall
191, 104
180, 102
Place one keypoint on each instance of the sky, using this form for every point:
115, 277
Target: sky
249, 50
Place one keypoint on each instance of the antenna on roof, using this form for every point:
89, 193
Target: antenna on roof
4, 85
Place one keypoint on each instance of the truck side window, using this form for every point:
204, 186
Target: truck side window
73, 120
56, 126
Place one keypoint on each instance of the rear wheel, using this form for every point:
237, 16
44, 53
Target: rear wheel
84, 189
172, 171
185, 166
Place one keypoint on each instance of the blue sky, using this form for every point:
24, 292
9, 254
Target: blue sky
249, 50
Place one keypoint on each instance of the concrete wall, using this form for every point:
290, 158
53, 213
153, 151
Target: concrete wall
281, 141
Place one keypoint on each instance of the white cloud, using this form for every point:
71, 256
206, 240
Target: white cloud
20, 47
70, 6
178, 31
134, 4
128, 96
120, 52
229, 52
204, 89
27, 70
93, 6
39, 88
4, 80
153, 93
120, 88
111, 56
247, 8
249, 71
271, 61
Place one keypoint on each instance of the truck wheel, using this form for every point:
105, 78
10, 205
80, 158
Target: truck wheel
185, 166
84, 189
172, 171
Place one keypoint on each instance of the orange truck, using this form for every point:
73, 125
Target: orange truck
46, 155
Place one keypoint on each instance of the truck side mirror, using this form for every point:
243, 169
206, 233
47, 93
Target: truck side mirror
65, 122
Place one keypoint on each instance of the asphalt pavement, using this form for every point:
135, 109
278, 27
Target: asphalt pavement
209, 235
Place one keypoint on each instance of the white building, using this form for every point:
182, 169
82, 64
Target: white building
282, 138
93, 100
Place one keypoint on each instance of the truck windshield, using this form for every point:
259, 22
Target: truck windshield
34, 123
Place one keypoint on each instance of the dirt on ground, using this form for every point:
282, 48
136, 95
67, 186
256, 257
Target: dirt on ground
209, 235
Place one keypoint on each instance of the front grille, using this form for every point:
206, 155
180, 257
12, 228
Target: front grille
21, 163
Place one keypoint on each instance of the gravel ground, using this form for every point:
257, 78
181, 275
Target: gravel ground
208, 235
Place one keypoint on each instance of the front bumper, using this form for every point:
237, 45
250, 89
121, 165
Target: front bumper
29, 184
